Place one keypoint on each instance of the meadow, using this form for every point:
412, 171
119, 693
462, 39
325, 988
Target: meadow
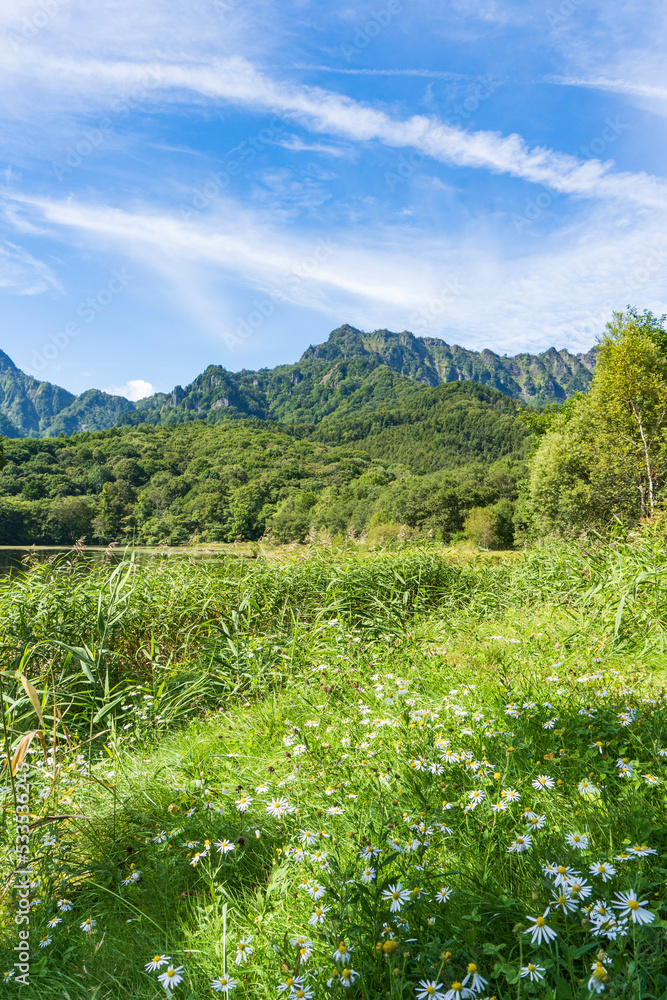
411, 772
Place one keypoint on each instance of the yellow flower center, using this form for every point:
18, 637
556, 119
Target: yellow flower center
561, 870
341, 947
457, 987
633, 904
430, 990
472, 968
540, 921
395, 895
531, 967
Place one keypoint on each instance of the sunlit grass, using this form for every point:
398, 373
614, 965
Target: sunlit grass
324, 682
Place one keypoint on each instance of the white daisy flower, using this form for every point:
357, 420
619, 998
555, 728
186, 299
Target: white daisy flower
520, 844
342, 953
291, 984
563, 875
540, 931
157, 962
603, 869
629, 906
279, 807
223, 984
563, 901
458, 991
397, 895
429, 990
171, 978
224, 846
347, 977
534, 972
318, 915
244, 949
543, 782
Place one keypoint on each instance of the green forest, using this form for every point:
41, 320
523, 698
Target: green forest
380, 457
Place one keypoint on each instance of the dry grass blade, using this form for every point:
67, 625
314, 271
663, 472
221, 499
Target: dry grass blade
22, 750
31, 691
55, 819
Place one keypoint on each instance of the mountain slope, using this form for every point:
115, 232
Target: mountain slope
30, 408
552, 376
27, 404
352, 369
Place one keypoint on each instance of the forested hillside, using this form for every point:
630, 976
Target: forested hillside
247, 479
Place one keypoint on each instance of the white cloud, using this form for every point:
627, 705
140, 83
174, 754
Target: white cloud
299, 146
236, 81
633, 89
22, 273
470, 286
134, 389
429, 74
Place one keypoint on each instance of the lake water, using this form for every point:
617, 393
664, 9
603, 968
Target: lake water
13, 559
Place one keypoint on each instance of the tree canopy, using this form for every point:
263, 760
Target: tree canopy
603, 456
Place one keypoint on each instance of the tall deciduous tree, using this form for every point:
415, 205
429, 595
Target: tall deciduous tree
630, 394
603, 457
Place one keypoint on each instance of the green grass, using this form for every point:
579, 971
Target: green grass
340, 679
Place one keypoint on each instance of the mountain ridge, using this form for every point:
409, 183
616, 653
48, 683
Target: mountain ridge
332, 377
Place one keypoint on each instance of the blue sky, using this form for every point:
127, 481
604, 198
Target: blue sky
187, 182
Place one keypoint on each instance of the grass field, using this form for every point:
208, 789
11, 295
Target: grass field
405, 773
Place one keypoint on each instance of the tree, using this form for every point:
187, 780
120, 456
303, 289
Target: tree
603, 457
630, 394
480, 528
69, 519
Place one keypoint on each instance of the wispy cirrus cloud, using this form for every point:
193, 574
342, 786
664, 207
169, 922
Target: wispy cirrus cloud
23, 274
427, 74
632, 88
438, 286
237, 82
